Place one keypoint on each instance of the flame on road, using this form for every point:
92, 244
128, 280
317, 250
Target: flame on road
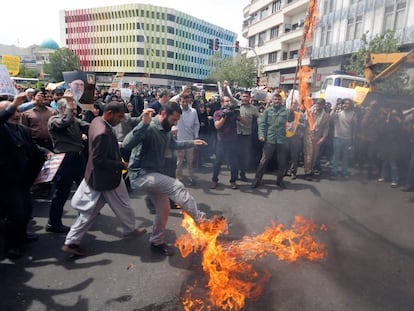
229, 266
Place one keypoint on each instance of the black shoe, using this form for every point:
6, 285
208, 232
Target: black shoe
255, 183
59, 229
281, 184
293, 176
30, 238
14, 253
243, 177
308, 177
163, 249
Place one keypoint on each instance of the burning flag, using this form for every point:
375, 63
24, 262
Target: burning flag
229, 266
304, 72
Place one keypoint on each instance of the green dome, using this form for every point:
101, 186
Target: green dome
49, 44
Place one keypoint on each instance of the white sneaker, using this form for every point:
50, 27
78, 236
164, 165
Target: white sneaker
380, 179
394, 184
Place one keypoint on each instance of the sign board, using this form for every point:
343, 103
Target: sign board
49, 169
289, 78
125, 93
12, 63
6, 84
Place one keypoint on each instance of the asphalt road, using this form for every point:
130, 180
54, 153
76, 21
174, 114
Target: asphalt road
369, 263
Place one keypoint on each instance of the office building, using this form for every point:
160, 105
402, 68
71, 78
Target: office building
150, 44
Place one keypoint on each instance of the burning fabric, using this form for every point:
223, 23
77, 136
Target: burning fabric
229, 266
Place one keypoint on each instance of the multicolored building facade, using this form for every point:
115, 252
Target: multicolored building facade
143, 40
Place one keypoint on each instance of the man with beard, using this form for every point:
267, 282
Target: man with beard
149, 141
272, 132
77, 88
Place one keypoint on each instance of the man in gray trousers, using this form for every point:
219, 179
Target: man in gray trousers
149, 141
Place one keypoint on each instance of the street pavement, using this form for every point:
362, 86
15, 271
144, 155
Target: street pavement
369, 241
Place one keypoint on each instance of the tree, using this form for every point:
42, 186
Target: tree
233, 69
62, 60
28, 73
381, 43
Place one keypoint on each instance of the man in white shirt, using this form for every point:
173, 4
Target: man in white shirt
188, 127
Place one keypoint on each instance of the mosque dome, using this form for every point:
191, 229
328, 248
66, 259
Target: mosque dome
49, 44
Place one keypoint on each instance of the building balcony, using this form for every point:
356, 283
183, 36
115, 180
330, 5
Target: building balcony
285, 64
295, 7
292, 35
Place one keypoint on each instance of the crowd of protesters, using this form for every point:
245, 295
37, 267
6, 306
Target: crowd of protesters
161, 132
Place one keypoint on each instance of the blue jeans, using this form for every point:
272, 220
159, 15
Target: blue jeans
226, 151
341, 152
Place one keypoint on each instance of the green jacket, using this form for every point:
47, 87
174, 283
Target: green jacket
272, 125
149, 144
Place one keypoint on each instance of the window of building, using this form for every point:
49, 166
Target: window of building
252, 41
264, 13
276, 6
329, 34
328, 6
274, 32
272, 58
262, 38
395, 15
293, 54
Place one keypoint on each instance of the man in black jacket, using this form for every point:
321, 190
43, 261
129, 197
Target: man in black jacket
20, 162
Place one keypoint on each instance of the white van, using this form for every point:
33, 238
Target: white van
346, 81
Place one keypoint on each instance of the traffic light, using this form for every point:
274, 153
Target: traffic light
211, 44
236, 46
217, 46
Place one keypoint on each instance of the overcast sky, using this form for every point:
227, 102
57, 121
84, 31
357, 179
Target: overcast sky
27, 22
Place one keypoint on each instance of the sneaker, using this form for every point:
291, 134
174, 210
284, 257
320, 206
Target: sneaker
394, 184
73, 249
202, 216
163, 249
293, 176
233, 185
308, 177
380, 179
213, 185
57, 229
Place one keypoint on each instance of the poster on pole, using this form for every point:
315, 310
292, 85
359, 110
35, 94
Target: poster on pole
6, 84
116, 82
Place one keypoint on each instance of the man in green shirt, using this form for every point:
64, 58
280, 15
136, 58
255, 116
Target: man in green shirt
272, 131
149, 141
